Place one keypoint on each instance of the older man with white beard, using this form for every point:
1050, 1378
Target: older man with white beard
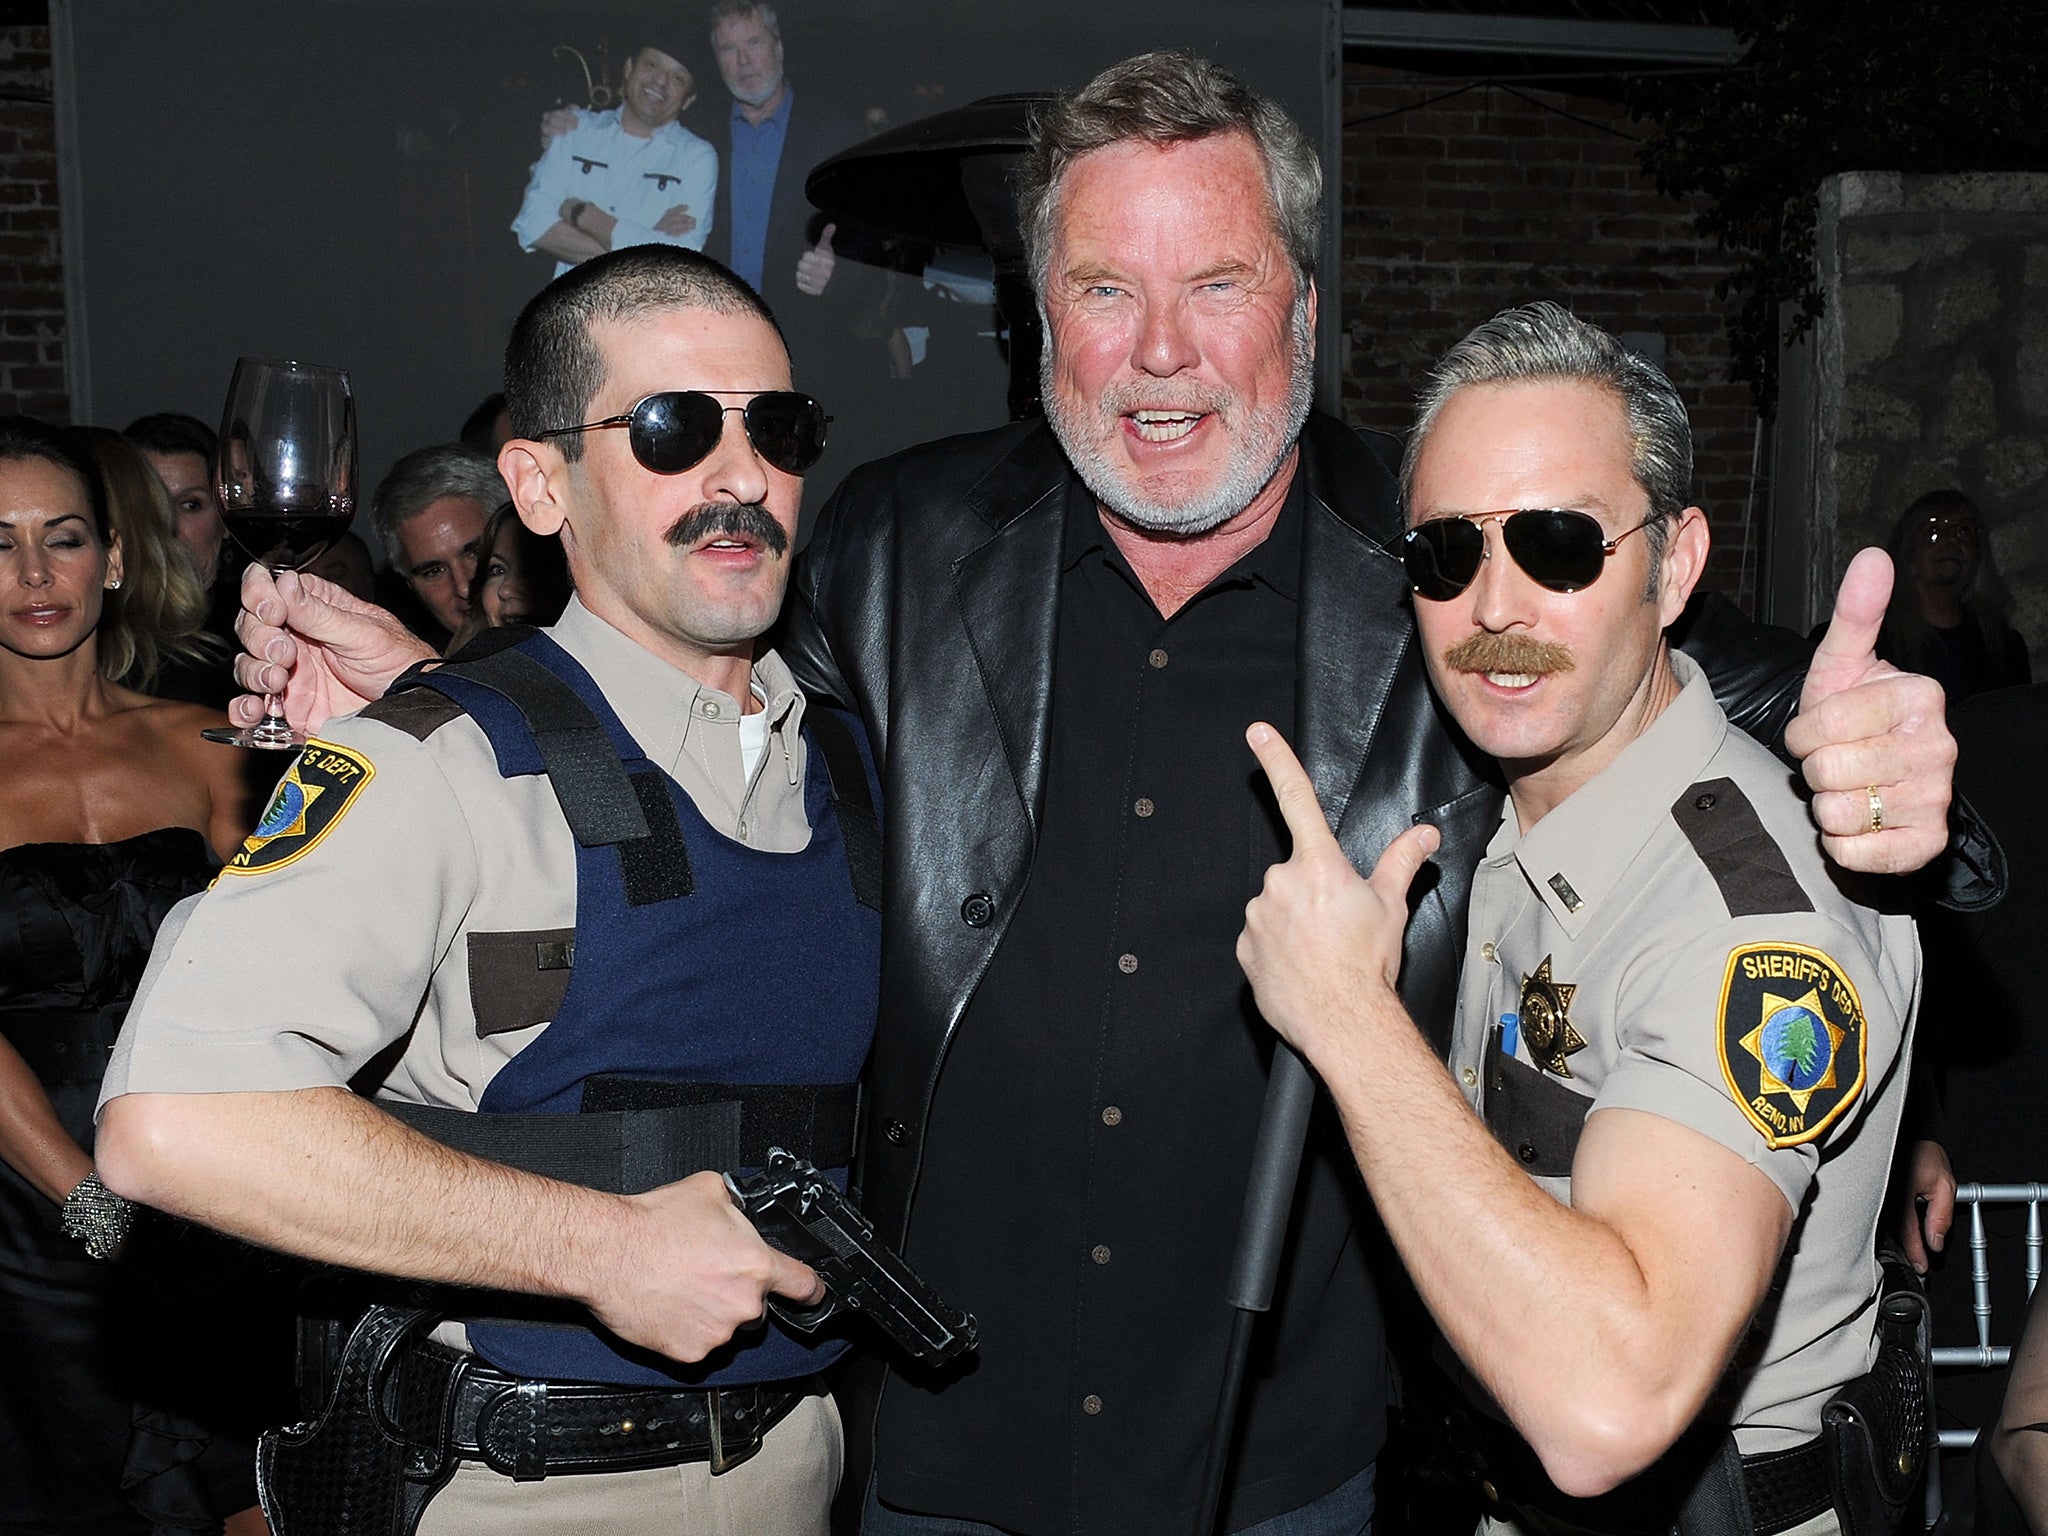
1057, 637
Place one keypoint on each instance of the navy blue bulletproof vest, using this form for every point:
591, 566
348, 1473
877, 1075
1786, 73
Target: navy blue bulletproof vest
738, 967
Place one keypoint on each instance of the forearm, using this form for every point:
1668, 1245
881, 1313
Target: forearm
1600, 1358
32, 1141
330, 1177
565, 242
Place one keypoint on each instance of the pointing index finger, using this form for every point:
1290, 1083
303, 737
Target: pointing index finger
1291, 787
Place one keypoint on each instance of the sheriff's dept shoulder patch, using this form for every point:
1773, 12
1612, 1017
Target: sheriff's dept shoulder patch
310, 798
1792, 1040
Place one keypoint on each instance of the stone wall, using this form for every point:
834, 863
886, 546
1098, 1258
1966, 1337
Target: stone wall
1928, 370
31, 271
1460, 203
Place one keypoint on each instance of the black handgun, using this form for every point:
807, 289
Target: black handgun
798, 1210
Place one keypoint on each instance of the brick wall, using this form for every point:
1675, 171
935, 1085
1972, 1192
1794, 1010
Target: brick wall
1456, 208
31, 271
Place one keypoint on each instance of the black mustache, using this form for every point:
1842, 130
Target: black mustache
740, 521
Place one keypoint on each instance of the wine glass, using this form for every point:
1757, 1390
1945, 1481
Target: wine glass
287, 481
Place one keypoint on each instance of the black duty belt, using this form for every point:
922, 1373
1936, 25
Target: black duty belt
526, 1429
1783, 1489
1787, 1488
1692, 1488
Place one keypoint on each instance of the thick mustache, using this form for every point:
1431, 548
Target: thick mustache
1519, 654
740, 521
1122, 399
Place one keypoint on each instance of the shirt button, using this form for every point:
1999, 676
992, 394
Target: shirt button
1111, 1115
1091, 1404
711, 709
1486, 951
1144, 807
1157, 658
1471, 1078
744, 829
1127, 963
1099, 1253
1526, 1152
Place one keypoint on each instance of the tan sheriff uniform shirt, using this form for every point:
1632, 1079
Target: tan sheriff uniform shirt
1671, 940
406, 881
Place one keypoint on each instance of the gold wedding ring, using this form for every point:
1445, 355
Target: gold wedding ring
1876, 809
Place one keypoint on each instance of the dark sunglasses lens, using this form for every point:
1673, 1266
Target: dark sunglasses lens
1442, 557
787, 429
1562, 551
672, 431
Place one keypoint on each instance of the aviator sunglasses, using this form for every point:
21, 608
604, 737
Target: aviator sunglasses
1559, 551
678, 428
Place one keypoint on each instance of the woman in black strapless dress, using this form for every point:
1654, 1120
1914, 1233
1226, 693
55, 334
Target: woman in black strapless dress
111, 811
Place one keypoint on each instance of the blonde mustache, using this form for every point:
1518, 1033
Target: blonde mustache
1517, 654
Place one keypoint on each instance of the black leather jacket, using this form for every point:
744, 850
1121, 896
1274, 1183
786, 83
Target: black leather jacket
926, 602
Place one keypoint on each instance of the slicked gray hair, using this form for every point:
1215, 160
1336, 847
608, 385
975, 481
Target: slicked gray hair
1543, 343
1165, 98
422, 478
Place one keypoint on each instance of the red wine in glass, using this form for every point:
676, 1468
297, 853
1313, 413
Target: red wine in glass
287, 481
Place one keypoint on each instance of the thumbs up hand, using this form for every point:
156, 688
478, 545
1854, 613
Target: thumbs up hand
814, 267
1872, 741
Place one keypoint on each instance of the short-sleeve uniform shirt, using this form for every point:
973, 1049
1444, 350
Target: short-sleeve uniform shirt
401, 886
1671, 940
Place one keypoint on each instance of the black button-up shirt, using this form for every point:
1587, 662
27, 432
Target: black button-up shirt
1093, 1124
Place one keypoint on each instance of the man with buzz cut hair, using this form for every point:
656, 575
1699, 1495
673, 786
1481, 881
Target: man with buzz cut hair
429, 513
600, 903
1681, 1043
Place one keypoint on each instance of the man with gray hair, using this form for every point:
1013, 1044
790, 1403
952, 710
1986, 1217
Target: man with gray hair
429, 513
1059, 637
1681, 1045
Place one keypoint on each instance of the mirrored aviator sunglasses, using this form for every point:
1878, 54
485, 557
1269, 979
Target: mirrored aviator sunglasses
1558, 550
677, 429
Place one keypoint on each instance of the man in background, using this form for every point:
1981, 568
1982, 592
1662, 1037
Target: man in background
429, 513
629, 176
763, 226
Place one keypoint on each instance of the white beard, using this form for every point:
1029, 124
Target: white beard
1260, 442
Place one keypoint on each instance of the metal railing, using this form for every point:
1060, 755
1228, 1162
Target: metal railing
1983, 1355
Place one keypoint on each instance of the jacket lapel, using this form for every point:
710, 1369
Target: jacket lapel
1355, 622
1008, 590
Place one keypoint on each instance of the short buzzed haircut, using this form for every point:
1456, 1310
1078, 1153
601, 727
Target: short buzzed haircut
553, 367
170, 432
1162, 99
1544, 343
422, 478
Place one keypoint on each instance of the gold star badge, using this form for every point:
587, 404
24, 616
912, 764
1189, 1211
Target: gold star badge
1546, 1024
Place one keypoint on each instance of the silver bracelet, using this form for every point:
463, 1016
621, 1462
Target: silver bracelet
98, 1217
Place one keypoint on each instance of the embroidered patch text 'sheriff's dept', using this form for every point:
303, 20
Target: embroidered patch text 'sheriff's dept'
310, 798
1792, 1040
